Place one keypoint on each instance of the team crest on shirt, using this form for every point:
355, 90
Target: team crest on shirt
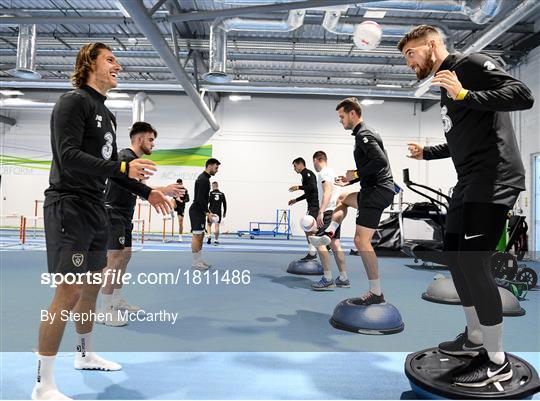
122, 240
365, 139
488, 65
107, 149
99, 119
446, 120
77, 259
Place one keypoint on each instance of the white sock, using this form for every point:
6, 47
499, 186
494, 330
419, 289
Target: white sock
328, 275
106, 300
311, 249
343, 275
117, 294
196, 256
84, 346
375, 286
493, 342
332, 227
474, 333
45, 371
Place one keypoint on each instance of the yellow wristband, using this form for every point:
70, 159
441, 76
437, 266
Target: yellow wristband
356, 174
123, 167
462, 93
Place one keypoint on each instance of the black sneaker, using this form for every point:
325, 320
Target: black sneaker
482, 371
308, 257
370, 298
209, 240
460, 346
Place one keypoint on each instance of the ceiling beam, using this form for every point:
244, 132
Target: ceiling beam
7, 120
156, 7
236, 11
429, 103
147, 26
357, 90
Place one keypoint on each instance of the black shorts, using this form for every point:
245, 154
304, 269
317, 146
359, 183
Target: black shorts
371, 204
180, 209
120, 228
474, 193
313, 211
76, 233
218, 213
197, 219
327, 218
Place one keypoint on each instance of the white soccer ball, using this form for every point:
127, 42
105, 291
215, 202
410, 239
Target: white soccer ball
367, 35
308, 223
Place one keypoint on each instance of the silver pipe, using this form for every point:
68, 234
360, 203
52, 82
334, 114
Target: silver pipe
522, 11
217, 69
146, 25
26, 54
479, 11
139, 106
217, 72
294, 20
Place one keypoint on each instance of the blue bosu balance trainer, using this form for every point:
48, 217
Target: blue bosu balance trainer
306, 268
383, 318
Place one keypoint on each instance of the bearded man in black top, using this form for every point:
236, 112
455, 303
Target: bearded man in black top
476, 97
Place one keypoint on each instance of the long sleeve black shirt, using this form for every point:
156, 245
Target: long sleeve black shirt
372, 165
117, 197
478, 129
202, 192
309, 186
83, 142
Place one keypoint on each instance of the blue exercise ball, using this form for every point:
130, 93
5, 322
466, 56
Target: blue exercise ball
351, 315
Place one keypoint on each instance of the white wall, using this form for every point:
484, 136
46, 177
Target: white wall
527, 126
256, 144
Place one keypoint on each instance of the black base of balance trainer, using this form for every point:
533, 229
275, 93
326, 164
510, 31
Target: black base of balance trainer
430, 371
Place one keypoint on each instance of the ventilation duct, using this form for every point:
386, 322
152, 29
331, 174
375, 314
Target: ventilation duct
140, 101
218, 39
479, 11
218, 56
26, 54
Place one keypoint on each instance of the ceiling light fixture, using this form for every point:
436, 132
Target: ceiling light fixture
370, 102
10, 92
370, 14
117, 95
238, 98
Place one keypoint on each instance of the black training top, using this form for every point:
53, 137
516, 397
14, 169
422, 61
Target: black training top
372, 165
202, 192
217, 199
118, 198
83, 142
478, 129
181, 202
309, 186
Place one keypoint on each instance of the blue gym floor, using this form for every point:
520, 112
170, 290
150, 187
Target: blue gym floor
269, 339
